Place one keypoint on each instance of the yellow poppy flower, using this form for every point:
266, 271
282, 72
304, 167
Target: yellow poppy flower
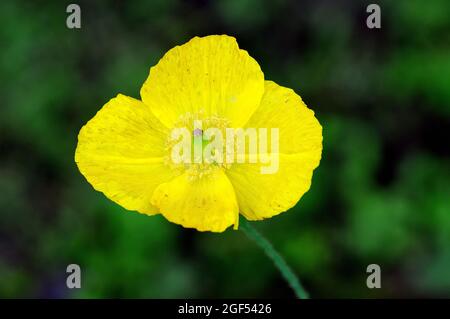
124, 150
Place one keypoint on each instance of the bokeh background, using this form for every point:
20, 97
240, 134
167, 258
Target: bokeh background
380, 195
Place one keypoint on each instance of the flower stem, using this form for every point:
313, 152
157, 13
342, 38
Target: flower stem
279, 261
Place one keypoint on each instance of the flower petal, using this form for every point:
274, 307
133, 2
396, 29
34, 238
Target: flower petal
265, 195
282, 108
209, 75
300, 147
120, 152
207, 203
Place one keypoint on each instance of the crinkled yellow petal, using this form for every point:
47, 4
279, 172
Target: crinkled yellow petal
208, 75
282, 108
120, 152
265, 195
207, 204
300, 147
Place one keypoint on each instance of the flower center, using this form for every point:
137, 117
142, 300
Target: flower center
196, 145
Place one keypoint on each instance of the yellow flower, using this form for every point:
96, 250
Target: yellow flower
124, 150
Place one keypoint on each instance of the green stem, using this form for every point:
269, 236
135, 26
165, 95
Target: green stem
279, 261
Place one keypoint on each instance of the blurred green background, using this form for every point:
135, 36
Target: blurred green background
380, 195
